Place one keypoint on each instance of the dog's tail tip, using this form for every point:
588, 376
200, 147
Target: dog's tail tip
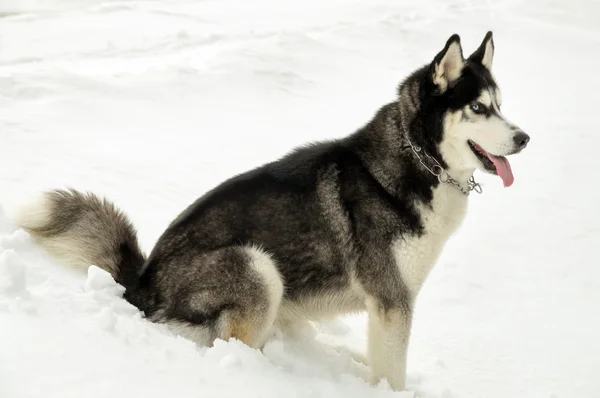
35, 214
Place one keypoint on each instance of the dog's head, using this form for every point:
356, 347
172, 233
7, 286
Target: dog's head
463, 97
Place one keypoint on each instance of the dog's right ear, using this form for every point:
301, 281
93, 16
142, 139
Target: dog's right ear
485, 53
448, 64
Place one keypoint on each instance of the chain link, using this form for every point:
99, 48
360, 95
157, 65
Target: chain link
437, 170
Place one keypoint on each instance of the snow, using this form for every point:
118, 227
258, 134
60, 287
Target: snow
152, 103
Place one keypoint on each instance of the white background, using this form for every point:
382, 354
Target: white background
152, 103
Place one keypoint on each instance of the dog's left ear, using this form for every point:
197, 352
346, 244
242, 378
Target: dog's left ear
485, 53
448, 64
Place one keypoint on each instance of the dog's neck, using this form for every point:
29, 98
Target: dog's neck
430, 156
384, 149
387, 157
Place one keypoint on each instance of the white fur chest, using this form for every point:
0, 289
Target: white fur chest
415, 255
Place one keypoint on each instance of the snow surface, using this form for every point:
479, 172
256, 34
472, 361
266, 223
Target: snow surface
152, 103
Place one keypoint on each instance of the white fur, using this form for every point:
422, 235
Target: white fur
454, 147
498, 95
71, 252
485, 98
491, 98
494, 134
35, 213
264, 265
416, 255
319, 308
387, 349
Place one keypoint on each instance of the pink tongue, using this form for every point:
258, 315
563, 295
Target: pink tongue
503, 169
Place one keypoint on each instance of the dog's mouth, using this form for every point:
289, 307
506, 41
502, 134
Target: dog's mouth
498, 165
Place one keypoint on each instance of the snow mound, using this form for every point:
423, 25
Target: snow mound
101, 281
12, 273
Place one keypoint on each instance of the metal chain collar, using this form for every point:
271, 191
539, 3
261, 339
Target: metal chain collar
442, 175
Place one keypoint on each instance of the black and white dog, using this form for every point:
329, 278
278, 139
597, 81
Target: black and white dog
343, 226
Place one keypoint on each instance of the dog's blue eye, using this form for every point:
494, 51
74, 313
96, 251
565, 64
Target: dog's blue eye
477, 107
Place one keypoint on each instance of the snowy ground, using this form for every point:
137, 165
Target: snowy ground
154, 102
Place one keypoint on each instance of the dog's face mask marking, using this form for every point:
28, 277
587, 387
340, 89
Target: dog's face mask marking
475, 133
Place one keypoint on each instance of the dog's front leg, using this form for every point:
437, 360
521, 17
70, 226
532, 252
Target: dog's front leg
389, 333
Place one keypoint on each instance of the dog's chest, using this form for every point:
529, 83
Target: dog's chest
415, 255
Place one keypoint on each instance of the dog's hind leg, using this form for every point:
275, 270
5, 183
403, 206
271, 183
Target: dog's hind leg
252, 321
233, 292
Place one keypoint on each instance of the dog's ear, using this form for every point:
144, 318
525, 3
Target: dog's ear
485, 53
448, 64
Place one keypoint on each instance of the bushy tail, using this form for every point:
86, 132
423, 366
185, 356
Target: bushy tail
82, 230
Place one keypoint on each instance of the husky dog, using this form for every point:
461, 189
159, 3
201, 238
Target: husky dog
349, 225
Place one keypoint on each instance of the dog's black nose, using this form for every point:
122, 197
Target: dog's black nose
521, 139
